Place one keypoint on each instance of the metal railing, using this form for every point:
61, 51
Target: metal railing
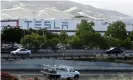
74, 51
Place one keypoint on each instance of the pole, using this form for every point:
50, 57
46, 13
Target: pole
43, 33
24, 33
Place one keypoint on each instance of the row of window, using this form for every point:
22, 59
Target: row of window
107, 23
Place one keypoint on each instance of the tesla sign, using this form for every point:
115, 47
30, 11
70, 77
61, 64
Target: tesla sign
49, 24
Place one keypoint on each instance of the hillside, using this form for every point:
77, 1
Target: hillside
54, 9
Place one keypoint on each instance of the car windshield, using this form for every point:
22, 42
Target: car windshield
19, 49
72, 70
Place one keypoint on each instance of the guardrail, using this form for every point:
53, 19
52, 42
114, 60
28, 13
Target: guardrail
50, 56
63, 57
78, 51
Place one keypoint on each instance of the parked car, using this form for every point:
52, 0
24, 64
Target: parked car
21, 51
128, 54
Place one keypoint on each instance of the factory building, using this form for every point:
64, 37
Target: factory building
69, 25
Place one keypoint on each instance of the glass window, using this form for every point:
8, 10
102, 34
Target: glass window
71, 70
22, 49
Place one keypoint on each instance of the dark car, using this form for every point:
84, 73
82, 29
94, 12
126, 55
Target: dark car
114, 50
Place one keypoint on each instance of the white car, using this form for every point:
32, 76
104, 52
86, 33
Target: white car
128, 54
58, 72
21, 51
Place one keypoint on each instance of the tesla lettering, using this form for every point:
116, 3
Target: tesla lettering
38, 24
64, 24
28, 23
55, 26
47, 24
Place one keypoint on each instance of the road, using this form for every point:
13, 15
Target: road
83, 76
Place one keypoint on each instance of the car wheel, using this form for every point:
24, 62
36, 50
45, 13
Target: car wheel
13, 54
17, 53
28, 54
76, 77
53, 78
68, 78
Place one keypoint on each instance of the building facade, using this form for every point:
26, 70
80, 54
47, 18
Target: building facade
68, 25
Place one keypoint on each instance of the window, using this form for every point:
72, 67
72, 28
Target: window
22, 49
71, 70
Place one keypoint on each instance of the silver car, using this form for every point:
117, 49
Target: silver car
21, 51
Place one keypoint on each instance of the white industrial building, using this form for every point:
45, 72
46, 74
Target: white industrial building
63, 24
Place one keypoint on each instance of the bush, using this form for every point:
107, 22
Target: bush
113, 77
7, 76
36, 78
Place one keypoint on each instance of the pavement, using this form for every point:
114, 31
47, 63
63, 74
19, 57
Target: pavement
83, 76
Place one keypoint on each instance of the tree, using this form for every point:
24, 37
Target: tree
11, 35
85, 26
89, 38
117, 30
76, 42
33, 41
127, 43
42, 31
93, 40
103, 43
131, 36
98, 41
52, 43
7, 76
84, 32
63, 37
43, 41
113, 42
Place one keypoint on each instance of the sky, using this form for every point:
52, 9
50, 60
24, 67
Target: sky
123, 6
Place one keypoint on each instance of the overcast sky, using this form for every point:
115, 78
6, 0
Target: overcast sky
123, 6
